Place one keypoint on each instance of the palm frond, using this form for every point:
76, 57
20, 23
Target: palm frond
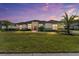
66, 17
72, 18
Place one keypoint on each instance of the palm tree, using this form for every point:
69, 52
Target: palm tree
68, 20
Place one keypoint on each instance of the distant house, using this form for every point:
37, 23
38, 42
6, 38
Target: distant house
74, 25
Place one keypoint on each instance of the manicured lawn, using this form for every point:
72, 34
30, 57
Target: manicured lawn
37, 42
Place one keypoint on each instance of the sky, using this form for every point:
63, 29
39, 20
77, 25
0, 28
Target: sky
22, 12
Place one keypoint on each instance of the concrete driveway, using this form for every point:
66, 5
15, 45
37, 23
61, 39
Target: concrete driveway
42, 54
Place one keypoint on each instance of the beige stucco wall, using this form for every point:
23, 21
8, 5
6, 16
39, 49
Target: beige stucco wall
23, 26
48, 25
61, 26
54, 26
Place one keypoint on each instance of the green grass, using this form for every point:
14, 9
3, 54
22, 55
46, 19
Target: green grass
37, 42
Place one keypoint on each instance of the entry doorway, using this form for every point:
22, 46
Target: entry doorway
34, 28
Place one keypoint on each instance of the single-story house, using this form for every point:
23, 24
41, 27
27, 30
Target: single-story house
34, 25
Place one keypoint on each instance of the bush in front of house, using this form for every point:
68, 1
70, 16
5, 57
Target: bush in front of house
48, 30
24, 30
41, 28
8, 29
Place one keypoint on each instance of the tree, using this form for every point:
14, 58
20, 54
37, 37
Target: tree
41, 28
68, 20
6, 23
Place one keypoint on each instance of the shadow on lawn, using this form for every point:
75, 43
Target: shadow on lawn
65, 33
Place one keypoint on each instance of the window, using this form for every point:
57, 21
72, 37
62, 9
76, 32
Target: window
29, 26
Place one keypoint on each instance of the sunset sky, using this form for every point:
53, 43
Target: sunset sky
21, 12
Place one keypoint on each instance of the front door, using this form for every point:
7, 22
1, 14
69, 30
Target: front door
35, 28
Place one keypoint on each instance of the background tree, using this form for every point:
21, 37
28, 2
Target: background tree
6, 23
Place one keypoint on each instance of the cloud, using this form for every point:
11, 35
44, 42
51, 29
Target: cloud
45, 7
52, 17
72, 11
